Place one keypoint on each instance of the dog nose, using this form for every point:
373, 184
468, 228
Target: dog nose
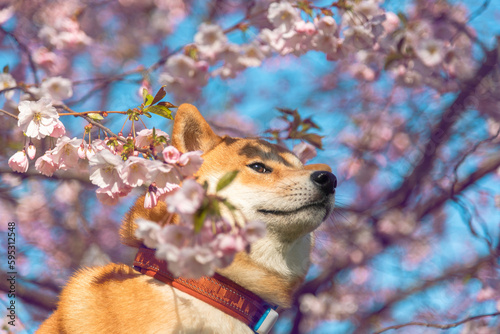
326, 181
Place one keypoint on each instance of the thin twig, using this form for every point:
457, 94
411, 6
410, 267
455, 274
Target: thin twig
82, 113
24, 49
464, 157
9, 114
91, 121
445, 326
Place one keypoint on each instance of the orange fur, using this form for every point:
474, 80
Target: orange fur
117, 299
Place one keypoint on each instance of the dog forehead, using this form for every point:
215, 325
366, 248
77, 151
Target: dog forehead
258, 150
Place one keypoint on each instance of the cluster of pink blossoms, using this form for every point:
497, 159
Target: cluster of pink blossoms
116, 177
37, 119
364, 37
285, 33
193, 254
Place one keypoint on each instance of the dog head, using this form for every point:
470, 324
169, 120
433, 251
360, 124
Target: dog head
272, 185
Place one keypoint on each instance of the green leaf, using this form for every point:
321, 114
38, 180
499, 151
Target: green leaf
160, 95
226, 180
95, 116
199, 219
147, 98
160, 110
6, 69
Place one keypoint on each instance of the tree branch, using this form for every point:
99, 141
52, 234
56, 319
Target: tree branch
452, 273
447, 326
32, 296
488, 166
58, 175
441, 132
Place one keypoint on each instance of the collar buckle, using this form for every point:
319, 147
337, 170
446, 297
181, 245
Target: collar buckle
266, 322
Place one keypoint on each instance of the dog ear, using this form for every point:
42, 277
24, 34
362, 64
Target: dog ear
318, 167
191, 131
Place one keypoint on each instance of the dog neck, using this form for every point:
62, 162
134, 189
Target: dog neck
273, 269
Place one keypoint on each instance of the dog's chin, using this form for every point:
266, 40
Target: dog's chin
294, 222
324, 206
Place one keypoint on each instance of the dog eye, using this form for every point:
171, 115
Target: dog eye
259, 167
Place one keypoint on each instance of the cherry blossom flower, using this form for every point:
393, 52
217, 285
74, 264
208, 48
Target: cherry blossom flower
274, 39
66, 152
162, 193
366, 8
64, 33
230, 243
359, 36
282, 14
164, 175
187, 199
252, 55
191, 262
253, 231
231, 62
150, 200
362, 72
184, 76
19, 162
430, 52
105, 170
408, 77
190, 162
148, 232
325, 43
326, 25
391, 23
7, 81
176, 235
59, 130
106, 196
37, 119
57, 88
134, 172
144, 138
171, 155
210, 40
46, 164
298, 40
53, 62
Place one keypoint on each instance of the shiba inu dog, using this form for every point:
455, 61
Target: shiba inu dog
272, 186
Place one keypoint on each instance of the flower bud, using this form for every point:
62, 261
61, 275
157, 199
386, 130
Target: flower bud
31, 151
81, 151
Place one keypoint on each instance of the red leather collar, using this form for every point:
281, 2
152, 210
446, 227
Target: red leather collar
217, 291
